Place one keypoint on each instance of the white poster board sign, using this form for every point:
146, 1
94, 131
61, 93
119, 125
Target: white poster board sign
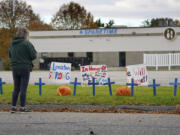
60, 73
138, 73
99, 72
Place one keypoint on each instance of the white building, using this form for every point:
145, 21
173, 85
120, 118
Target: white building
116, 47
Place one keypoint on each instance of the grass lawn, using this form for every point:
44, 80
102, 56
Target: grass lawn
142, 96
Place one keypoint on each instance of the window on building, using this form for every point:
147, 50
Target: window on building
122, 59
70, 54
90, 56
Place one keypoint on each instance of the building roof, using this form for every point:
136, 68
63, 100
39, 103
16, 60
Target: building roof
113, 39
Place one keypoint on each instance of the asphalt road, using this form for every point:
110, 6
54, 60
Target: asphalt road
162, 77
63, 123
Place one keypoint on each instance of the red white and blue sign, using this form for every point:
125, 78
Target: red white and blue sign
99, 72
60, 73
138, 73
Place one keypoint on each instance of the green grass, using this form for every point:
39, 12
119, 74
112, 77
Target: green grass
142, 96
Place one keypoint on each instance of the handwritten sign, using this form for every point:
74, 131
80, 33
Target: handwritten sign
60, 72
99, 72
138, 73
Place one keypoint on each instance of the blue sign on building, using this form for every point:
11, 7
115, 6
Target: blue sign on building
98, 31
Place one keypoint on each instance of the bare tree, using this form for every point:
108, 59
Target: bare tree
14, 13
161, 22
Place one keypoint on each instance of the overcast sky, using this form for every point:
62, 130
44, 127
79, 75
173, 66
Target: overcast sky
123, 12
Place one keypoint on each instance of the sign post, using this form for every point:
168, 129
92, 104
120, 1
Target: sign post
154, 85
132, 84
75, 83
1, 88
175, 84
40, 83
109, 84
93, 84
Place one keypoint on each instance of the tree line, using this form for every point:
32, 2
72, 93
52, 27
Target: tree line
14, 13
69, 16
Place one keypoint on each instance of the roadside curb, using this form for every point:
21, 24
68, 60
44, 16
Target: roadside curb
102, 107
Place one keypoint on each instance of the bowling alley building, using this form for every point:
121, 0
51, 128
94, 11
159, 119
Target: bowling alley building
115, 47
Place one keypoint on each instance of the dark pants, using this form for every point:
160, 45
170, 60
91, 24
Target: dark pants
21, 80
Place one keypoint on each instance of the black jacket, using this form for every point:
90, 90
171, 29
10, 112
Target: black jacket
22, 53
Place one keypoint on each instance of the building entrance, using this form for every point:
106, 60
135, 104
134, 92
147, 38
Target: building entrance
122, 59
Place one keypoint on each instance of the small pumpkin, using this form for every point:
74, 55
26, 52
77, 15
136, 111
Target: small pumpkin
123, 91
63, 91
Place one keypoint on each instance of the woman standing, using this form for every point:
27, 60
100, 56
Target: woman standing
21, 53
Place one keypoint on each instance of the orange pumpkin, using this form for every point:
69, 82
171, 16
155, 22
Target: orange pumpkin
123, 91
63, 91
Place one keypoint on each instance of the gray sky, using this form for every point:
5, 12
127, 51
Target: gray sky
123, 12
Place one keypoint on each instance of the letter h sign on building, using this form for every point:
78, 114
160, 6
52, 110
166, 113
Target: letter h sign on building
60, 73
